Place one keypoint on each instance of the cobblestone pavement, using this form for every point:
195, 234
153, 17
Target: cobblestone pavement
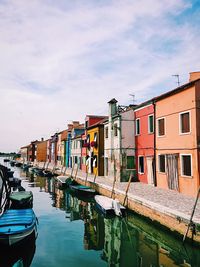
165, 201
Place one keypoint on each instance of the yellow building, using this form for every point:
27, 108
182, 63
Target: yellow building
95, 149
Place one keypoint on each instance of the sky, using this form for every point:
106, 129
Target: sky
61, 60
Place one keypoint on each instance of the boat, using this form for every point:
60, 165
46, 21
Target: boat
109, 206
17, 224
64, 181
82, 189
18, 164
21, 200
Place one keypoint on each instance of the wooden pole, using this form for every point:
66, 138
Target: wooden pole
65, 170
86, 176
95, 176
76, 172
72, 170
127, 188
191, 217
113, 186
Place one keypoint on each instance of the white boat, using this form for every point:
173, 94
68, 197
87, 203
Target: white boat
109, 206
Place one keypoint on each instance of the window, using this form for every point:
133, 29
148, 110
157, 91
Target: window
141, 164
186, 165
161, 127
130, 162
95, 137
115, 129
150, 124
137, 126
161, 162
184, 122
106, 132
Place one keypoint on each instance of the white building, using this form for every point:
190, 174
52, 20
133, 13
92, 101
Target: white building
119, 142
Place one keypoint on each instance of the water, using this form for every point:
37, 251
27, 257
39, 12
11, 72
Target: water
72, 233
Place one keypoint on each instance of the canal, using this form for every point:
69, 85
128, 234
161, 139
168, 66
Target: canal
72, 233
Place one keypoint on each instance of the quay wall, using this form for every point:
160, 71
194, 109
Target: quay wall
174, 220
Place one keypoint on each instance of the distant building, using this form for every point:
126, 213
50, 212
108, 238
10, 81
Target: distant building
95, 148
41, 151
24, 153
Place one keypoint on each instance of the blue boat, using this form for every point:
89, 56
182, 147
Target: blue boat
17, 224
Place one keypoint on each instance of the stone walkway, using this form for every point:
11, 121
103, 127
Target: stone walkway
165, 201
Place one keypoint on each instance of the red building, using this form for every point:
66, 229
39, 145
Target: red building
144, 142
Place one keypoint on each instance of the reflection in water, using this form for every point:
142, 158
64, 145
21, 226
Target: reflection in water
19, 255
126, 242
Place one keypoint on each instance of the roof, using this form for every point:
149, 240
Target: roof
112, 101
99, 123
176, 90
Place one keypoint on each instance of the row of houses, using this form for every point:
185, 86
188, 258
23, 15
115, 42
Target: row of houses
158, 141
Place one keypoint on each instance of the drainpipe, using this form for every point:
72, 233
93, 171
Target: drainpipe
120, 145
155, 175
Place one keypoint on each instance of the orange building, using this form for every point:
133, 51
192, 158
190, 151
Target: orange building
177, 139
41, 155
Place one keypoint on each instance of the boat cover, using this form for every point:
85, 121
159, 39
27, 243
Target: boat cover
17, 221
18, 196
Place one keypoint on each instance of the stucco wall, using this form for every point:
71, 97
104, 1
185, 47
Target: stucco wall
174, 142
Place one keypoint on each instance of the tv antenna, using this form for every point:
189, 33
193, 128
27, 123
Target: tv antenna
178, 81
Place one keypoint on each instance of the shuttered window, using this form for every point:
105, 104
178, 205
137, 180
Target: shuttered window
161, 162
185, 122
137, 126
130, 162
186, 165
141, 164
161, 127
151, 124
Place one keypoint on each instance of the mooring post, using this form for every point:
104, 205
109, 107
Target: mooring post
76, 172
72, 171
191, 217
86, 175
95, 176
113, 186
127, 188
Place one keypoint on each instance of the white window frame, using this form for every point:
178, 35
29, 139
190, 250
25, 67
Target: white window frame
136, 132
159, 163
164, 127
188, 111
141, 156
149, 124
181, 161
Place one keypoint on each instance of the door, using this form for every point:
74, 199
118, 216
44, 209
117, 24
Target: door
172, 171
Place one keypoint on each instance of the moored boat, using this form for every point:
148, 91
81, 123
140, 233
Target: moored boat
109, 206
64, 181
82, 189
17, 224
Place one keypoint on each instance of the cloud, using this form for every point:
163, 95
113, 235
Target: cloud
61, 60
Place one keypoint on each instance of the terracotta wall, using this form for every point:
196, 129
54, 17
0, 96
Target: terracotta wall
42, 151
174, 142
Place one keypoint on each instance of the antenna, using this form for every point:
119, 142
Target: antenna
133, 96
177, 76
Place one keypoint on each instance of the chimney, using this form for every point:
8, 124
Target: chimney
69, 126
194, 76
42, 139
75, 123
112, 107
